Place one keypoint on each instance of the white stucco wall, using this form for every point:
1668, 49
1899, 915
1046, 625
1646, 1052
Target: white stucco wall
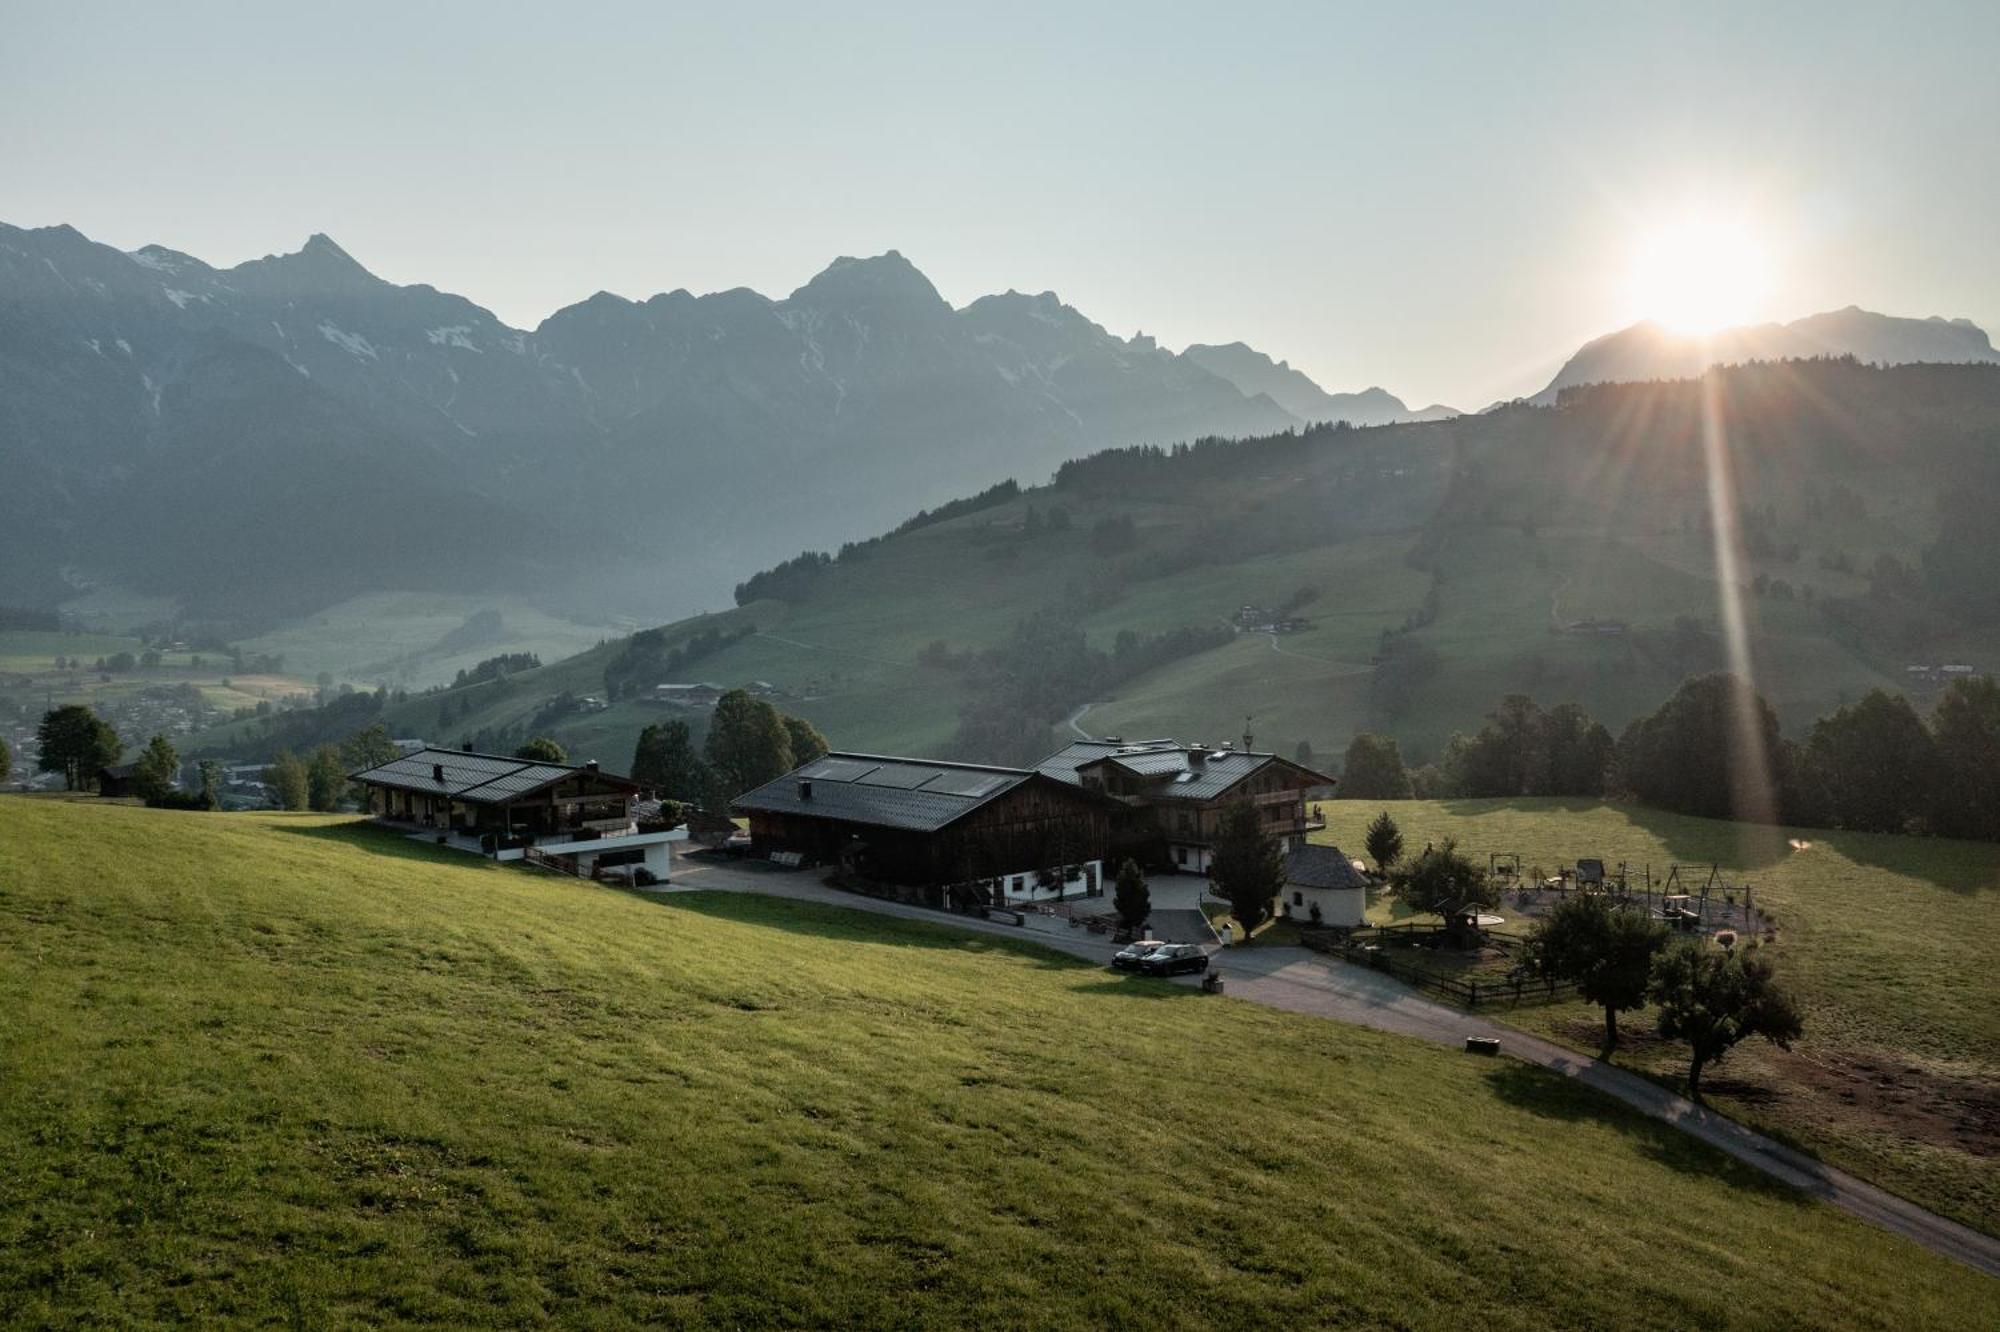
1340, 908
1022, 887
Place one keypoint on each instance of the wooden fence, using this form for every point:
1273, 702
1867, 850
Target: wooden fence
1378, 948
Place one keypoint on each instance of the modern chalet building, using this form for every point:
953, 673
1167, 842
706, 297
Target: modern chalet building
574, 817
1170, 797
999, 833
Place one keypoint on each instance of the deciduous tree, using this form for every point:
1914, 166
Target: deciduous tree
664, 761
153, 772
76, 742
806, 741
326, 780
369, 747
1442, 882
288, 781
1373, 770
1966, 723
1606, 950
1713, 998
1873, 766
747, 744
542, 750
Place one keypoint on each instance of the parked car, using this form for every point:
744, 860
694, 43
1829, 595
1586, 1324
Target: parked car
1131, 955
1173, 959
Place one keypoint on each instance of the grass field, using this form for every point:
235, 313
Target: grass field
269, 1068
1889, 942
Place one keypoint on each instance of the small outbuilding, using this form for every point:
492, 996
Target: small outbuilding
1322, 887
116, 780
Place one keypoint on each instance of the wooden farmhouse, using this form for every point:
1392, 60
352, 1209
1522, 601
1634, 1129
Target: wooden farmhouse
572, 816
1007, 833
1170, 798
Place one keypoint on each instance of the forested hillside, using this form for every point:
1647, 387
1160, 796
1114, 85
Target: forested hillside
1401, 579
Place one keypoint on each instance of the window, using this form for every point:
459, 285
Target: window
1180, 855
1298, 899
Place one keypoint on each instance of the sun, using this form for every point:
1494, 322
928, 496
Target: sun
1699, 275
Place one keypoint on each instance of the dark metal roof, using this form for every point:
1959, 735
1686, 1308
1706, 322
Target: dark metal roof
1321, 867
479, 779
918, 795
1170, 767
1064, 763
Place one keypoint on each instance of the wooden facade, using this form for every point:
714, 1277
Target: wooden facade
1038, 824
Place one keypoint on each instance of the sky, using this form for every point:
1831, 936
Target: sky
1444, 200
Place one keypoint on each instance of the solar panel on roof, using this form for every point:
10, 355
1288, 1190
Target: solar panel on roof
969, 784
901, 776
838, 770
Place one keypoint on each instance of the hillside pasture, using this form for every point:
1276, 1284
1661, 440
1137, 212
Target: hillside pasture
279, 1068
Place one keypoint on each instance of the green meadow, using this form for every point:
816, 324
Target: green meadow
271, 1068
1888, 941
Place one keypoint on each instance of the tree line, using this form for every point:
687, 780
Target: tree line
1876, 765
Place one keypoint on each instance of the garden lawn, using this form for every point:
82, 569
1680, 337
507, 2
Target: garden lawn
267, 1068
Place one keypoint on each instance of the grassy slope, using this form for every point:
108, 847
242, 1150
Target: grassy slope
1889, 942
265, 1067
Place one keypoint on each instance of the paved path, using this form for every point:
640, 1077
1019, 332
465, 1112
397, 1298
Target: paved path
1304, 982
1077, 716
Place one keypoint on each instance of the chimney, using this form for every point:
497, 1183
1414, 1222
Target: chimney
805, 788
1247, 737
590, 765
1197, 757
437, 773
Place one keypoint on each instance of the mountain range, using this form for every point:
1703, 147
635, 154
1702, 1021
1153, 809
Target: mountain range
161, 419
1649, 351
261, 440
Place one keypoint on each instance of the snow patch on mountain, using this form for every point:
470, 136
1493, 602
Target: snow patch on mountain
353, 343
451, 335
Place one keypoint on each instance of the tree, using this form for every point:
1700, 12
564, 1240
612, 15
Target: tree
1385, 841
664, 761
76, 742
1605, 949
1692, 757
1872, 766
1577, 751
1966, 723
1714, 997
806, 741
747, 744
6, 761
288, 781
542, 750
1373, 770
1130, 897
326, 780
1444, 883
153, 772
368, 748
211, 784
1247, 866
1303, 755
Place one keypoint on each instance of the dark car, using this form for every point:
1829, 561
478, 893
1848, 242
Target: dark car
1173, 959
1129, 957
